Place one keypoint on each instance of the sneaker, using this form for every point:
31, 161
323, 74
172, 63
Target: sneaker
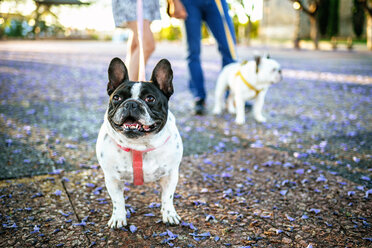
200, 107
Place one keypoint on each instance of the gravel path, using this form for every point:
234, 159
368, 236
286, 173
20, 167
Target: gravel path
302, 179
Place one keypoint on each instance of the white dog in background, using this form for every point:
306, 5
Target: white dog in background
246, 81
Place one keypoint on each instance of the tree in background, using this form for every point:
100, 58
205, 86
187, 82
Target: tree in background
311, 8
368, 7
323, 18
358, 18
328, 18
333, 18
242, 11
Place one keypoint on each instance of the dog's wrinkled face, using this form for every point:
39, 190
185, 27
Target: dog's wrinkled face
137, 109
269, 71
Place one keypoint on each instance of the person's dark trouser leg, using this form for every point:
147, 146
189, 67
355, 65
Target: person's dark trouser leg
193, 35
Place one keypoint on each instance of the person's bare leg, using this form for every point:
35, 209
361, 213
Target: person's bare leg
148, 40
134, 53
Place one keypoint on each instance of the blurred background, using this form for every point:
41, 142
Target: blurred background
317, 24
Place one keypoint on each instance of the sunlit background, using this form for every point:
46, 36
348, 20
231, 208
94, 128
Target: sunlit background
334, 21
98, 14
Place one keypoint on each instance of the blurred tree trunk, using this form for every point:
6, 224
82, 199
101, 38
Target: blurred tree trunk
369, 32
367, 5
314, 32
311, 9
296, 41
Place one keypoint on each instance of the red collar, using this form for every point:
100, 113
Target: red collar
137, 162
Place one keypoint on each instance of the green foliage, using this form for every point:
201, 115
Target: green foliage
169, 33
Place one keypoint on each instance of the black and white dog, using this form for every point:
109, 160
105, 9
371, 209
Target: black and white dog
139, 141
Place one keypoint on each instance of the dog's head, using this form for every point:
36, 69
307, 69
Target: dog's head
268, 70
137, 109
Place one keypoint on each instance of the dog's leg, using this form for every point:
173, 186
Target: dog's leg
258, 106
231, 104
168, 185
240, 109
221, 87
115, 189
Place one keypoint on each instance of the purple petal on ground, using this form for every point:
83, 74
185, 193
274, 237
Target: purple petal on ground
315, 210
216, 238
290, 218
356, 159
283, 192
304, 217
209, 217
39, 194
133, 228
71, 146
90, 185
36, 229
56, 172
368, 192
171, 235
288, 165
351, 193
8, 142
61, 212
360, 187
65, 179
278, 231
365, 178
321, 178
149, 215
154, 205
300, 171
226, 175
58, 192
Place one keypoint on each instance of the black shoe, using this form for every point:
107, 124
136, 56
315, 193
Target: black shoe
200, 107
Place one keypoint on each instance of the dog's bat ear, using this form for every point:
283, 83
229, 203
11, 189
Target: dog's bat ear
258, 61
117, 74
162, 76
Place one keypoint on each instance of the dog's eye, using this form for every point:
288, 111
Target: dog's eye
116, 98
150, 99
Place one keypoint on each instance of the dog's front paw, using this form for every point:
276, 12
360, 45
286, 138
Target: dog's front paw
240, 121
117, 221
171, 217
260, 118
217, 111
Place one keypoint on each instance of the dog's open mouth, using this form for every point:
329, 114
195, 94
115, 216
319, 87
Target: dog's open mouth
130, 124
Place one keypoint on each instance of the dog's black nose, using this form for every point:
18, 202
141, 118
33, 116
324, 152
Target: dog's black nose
131, 105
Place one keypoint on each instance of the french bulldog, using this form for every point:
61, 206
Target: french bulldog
247, 81
138, 140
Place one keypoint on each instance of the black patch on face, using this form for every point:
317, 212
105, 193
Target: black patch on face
123, 109
124, 112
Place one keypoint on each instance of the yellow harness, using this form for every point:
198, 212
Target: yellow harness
239, 74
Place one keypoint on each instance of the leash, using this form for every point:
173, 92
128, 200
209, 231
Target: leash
240, 75
137, 162
230, 40
141, 69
